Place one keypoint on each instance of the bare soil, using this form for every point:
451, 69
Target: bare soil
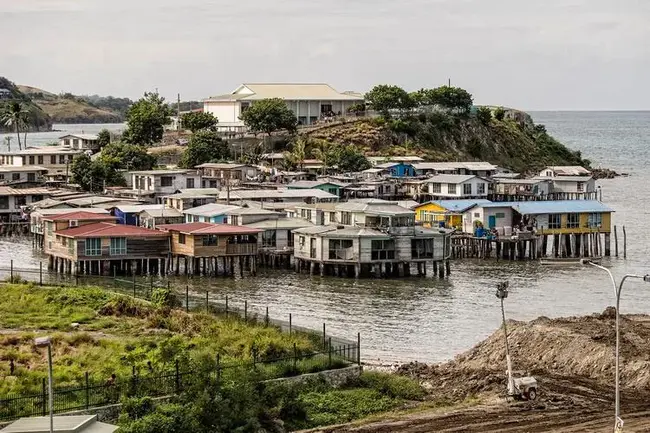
573, 362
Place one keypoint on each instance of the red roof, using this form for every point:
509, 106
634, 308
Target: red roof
209, 229
80, 215
104, 230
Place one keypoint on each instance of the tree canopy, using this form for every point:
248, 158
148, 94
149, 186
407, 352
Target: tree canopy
198, 120
127, 157
384, 98
268, 116
484, 115
204, 146
103, 138
452, 98
146, 120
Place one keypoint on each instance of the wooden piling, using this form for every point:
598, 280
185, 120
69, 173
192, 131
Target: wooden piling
616, 241
624, 243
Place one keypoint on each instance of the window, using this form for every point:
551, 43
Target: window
595, 220
94, 246
289, 239
210, 240
383, 249
346, 218
15, 176
573, 221
480, 188
31, 160
245, 106
269, 238
2, 176
37, 197
31, 177
422, 248
499, 215
75, 142
20, 200
61, 159
53, 159
451, 188
340, 249
181, 238
49, 228
477, 215
467, 189
326, 108
195, 218
580, 186
312, 248
166, 181
189, 183
436, 188
301, 241
40, 159
118, 246
554, 221
234, 220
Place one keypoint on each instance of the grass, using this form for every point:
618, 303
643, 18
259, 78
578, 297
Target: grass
116, 334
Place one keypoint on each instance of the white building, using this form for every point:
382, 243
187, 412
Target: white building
308, 101
491, 215
564, 170
153, 184
80, 141
456, 186
570, 182
483, 169
25, 174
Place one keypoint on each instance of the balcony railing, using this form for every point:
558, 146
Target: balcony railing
241, 249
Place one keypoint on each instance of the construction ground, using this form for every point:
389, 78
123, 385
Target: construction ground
573, 362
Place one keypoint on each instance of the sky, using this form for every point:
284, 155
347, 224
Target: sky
533, 55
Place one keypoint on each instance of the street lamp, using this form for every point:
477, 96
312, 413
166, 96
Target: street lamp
42, 342
618, 422
502, 293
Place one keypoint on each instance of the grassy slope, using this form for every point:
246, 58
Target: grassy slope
111, 339
39, 120
442, 137
63, 110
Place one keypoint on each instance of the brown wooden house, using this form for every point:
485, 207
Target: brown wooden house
105, 248
207, 247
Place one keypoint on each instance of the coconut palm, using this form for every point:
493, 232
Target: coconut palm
322, 150
15, 115
296, 157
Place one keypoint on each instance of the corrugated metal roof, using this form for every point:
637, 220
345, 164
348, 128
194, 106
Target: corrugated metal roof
47, 150
91, 137
223, 165
374, 206
281, 223
58, 211
450, 178
80, 215
21, 169
163, 212
446, 166
210, 210
7, 190
209, 229
379, 159
289, 91
458, 205
244, 194
342, 231
103, 229
569, 170
138, 208
559, 206
308, 184
162, 172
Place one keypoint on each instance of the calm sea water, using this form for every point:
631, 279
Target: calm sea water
432, 320
59, 130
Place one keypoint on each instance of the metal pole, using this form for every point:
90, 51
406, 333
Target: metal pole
511, 385
40, 274
51, 390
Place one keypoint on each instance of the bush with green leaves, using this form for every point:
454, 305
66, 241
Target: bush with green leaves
165, 298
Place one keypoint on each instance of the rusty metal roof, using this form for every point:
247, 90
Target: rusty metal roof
198, 228
105, 230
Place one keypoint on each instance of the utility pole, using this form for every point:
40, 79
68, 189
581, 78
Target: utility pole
178, 121
449, 82
502, 293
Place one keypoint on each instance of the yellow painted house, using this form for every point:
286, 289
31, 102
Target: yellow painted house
433, 213
567, 216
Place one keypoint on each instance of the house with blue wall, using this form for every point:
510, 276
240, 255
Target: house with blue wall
130, 214
209, 213
397, 169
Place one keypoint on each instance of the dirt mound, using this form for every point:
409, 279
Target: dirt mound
576, 347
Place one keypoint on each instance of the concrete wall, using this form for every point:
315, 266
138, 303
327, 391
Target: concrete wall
225, 112
334, 378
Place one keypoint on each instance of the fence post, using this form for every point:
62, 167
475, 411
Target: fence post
290, 324
178, 379
329, 350
324, 337
87, 391
114, 274
266, 318
358, 348
245, 311
40, 273
11, 275
187, 298
295, 355
226, 305
207, 300
44, 400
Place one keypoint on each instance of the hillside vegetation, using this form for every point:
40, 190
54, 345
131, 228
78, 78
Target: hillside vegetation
68, 108
36, 119
436, 136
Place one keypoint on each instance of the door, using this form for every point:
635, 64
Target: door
492, 221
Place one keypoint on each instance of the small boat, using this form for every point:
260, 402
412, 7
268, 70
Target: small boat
568, 260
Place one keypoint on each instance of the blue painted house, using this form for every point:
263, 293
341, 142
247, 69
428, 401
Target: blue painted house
209, 213
130, 214
397, 169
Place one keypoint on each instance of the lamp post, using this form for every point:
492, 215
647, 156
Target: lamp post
502, 293
41, 342
618, 422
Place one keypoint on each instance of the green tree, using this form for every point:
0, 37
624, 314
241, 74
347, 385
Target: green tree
94, 175
118, 155
384, 98
146, 120
296, 157
204, 146
484, 115
103, 138
198, 120
452, 98
500, 114
15, 115
268, 116
347, 158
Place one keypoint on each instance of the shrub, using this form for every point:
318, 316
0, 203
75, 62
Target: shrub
339, 406
484, 115
164, 298
124, 306
500, 114
392, 385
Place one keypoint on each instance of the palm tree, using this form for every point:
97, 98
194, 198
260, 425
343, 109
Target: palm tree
321, 150
15, 115
297, 155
